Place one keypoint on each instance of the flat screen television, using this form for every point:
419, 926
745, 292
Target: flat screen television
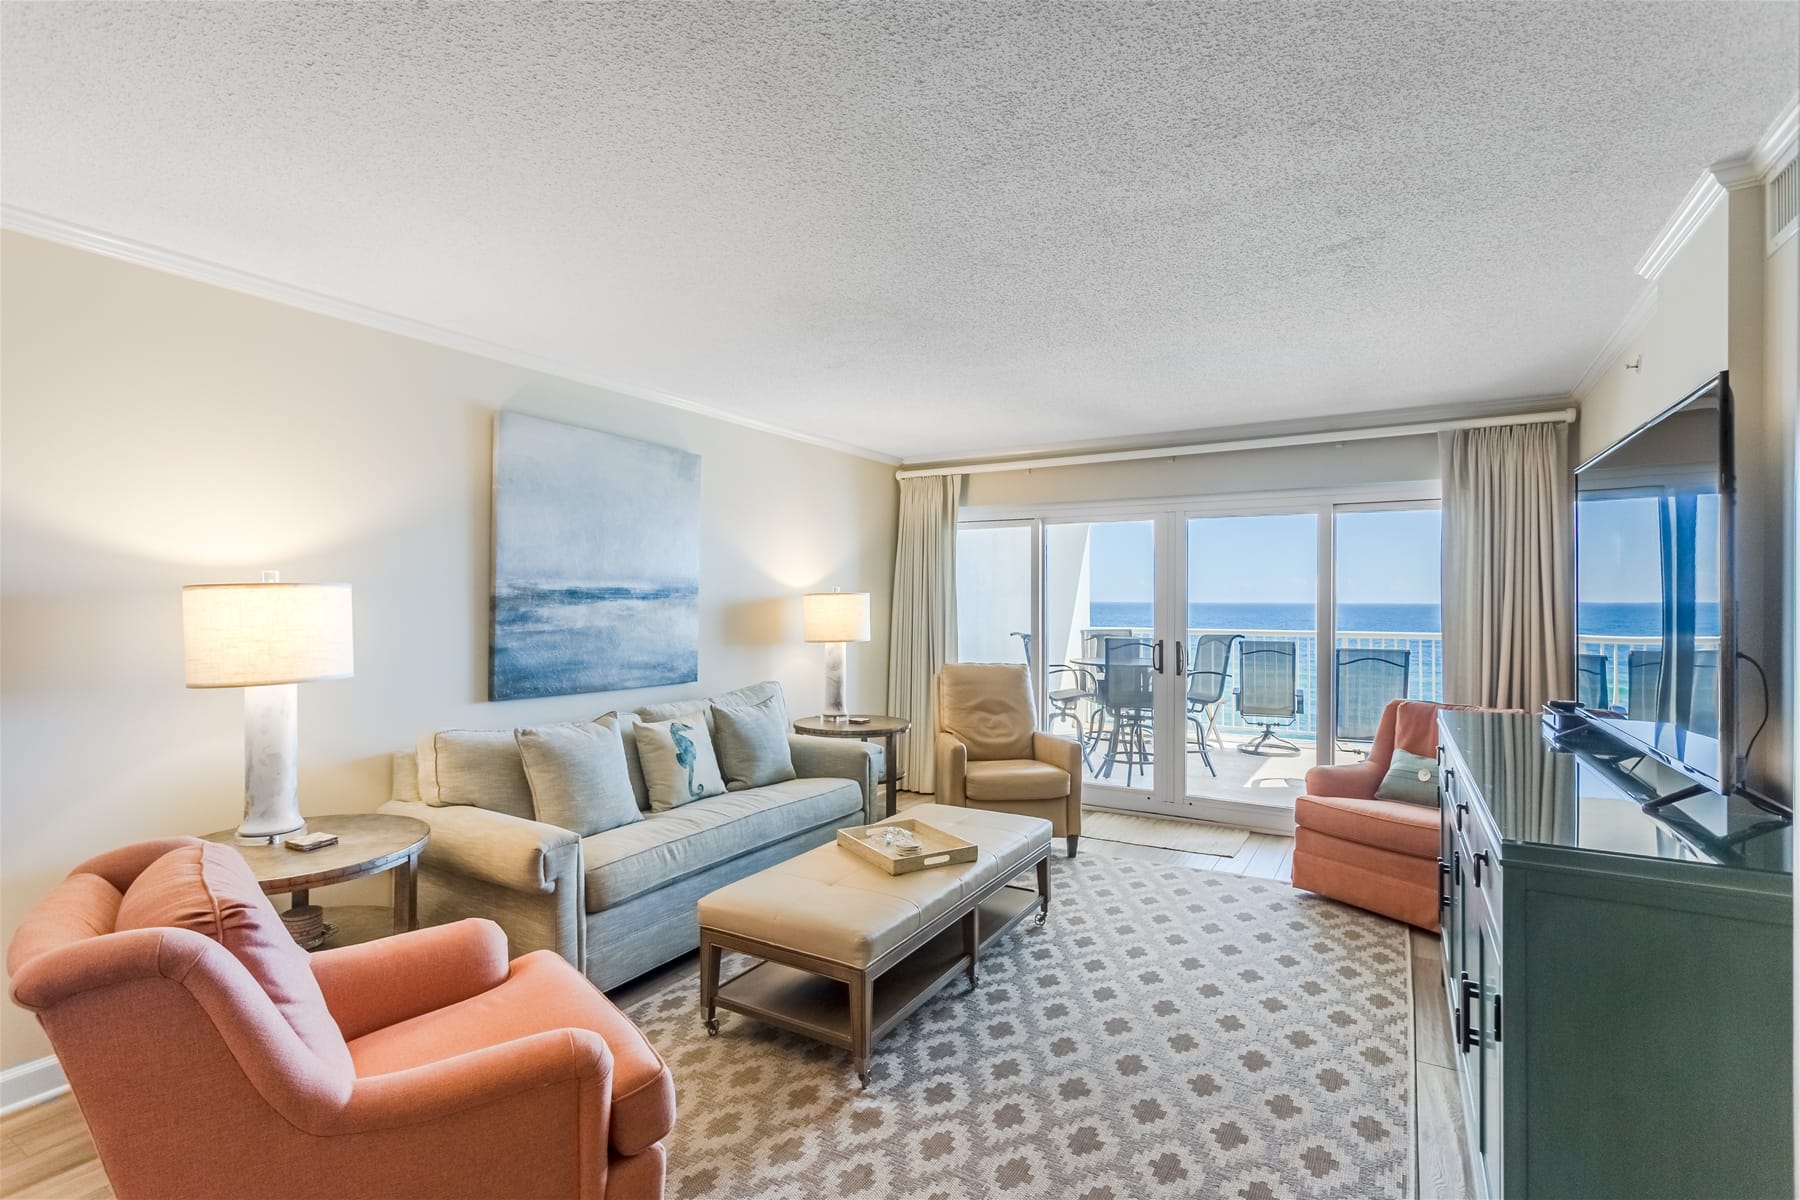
1656, 652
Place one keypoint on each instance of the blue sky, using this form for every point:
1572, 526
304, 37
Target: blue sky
1619, 562
1383, 558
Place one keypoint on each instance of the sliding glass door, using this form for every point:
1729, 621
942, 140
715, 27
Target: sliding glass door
1103, 661
1208, 656
1251, 660
1389, 642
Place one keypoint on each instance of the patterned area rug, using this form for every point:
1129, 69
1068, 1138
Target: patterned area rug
1171, 833
1170, 1032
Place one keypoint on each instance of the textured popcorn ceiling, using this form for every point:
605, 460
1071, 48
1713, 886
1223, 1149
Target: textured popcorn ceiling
929, 230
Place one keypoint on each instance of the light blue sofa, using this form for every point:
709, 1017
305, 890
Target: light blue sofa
622, 902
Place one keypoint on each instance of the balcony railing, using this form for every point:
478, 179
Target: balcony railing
1425, 670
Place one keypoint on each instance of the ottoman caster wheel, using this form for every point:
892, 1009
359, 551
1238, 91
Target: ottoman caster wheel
862, 1077
1043, 915
712, 1027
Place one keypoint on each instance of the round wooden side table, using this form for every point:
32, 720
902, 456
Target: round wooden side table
368, 844
888, 729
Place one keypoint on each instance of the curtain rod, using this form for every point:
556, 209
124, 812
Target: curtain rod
1261, 443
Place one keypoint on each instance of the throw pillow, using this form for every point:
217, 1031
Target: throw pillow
208, 888
477, 767
679, 763
1410, 779
752, 744
578, 777
626, 724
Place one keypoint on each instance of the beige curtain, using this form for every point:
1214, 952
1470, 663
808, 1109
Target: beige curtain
922, 634
1509, 536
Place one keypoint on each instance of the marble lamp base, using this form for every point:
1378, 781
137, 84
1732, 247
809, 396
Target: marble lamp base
271, 764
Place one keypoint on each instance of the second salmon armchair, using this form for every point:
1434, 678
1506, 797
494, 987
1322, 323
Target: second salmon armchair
213, 1057
1381, 855
990, 753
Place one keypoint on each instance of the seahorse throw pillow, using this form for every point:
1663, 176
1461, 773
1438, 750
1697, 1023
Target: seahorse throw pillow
679, 762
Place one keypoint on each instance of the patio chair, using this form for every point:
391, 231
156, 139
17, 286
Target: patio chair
1644, 690
1266, 695
1366, 680
1593, 683
1067, 688
1703, 719
1127, 697
1093, 641
1643, 684
1209, 657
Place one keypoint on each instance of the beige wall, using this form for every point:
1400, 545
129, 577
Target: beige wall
1722, 303
1682, 344
1329, 465
159, 432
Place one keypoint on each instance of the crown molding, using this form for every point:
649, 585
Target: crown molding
1771, 151
143, 254
1780, 141
1695, 207
1636, 317
1355, 427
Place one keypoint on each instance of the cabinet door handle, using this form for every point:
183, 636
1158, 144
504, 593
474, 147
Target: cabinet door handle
1481, 860
1471, 996
1443, 884
1462, 810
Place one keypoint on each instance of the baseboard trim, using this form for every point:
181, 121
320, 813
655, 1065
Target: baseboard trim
31, 1083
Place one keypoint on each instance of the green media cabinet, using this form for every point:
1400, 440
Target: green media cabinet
1619, 973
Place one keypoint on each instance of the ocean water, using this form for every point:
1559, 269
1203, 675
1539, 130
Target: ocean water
560, 641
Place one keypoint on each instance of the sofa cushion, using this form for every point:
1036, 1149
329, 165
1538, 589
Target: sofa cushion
578, 777
626, 724
668, 846
208, 888
680, 765
1015, 779
987, 707
477, 767
542, 993
756, 693
1404, 828
752, 743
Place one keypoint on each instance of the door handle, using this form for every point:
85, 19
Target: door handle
1481, 858
1156, 660
1181, 658
1471, 996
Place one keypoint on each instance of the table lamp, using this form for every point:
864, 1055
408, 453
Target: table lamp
836, 618
265, 638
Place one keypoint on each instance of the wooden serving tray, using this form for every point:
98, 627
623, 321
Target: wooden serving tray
939, 848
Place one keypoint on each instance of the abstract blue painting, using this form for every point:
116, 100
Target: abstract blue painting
596, 561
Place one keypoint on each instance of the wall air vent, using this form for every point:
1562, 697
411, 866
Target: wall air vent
1783, 192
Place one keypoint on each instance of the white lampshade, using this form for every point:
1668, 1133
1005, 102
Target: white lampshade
836, 616
256, 634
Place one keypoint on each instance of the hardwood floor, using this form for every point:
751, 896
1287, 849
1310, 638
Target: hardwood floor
46, 1154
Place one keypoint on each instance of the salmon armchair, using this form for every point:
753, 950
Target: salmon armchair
1380, 855
990, 754
212, 1057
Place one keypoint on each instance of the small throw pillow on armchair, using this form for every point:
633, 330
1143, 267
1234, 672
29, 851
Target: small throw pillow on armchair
678, 761
1410, 779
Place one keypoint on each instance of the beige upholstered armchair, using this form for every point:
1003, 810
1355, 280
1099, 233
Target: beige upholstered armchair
990, 754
